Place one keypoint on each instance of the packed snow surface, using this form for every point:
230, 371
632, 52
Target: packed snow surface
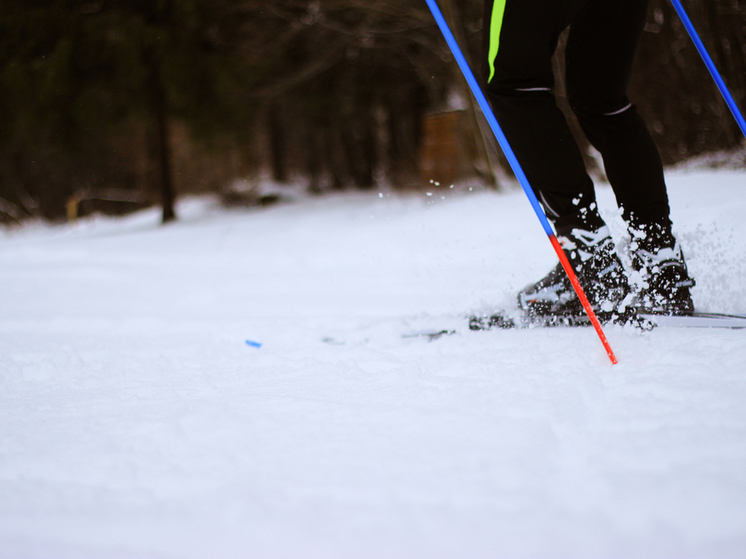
237, 385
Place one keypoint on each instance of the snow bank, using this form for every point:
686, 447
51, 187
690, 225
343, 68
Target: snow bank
135, 420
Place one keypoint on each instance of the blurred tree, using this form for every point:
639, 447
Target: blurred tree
672, 87
91, 88
356, 78
72, 71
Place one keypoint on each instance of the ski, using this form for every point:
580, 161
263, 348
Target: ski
515, 320
430, 334
697, 320
645, 321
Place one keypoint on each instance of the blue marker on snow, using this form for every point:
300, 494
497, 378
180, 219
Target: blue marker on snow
253, 344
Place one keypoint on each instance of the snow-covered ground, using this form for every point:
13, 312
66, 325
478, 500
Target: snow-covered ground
136, 420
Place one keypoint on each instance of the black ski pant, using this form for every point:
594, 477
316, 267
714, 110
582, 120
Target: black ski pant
522, 37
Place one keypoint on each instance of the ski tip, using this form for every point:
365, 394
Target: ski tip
429, 334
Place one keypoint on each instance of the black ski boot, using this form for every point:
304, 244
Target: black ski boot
600, 273
666, 284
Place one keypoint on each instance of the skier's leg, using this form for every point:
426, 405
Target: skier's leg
600, 54
522, 37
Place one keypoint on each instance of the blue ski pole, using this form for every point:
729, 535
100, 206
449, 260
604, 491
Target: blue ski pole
710, 65
518, 171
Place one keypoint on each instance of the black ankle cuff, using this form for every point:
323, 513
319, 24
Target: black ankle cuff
652, 236
586, 218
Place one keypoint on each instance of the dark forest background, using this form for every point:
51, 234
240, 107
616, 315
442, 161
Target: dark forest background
111, 105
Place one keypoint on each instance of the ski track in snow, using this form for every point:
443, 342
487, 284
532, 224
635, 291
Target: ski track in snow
135, 421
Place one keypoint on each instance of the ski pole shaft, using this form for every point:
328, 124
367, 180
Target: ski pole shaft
710, 65
518, 171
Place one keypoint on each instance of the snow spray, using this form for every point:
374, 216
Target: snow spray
710, 65
518, 171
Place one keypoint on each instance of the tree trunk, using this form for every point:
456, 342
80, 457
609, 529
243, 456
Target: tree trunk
160, 115
277, 145
334, 156
313, 160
